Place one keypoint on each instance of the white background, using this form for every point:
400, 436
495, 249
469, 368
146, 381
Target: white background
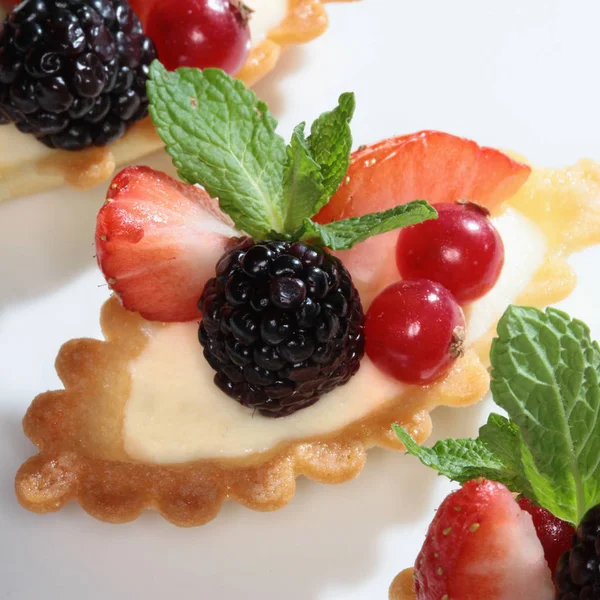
514, 74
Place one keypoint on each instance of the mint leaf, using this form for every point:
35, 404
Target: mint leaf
222, 137
494, 455
343, 234
302, 182
503, 440
546, 376
330, 143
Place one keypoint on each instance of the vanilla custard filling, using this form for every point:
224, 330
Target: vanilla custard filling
175, 413
267, 15
18, 148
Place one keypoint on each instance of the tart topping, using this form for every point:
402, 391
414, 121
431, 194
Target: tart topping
481, 545
555, 534
200, 33
461, 249
436, 166
578, 570
545, 374
415, 331
282, 325
157, 242
282, 320
73, 73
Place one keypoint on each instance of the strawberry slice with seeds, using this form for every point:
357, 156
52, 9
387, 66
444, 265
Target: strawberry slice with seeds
482, 545
555, 535
429, 165
158, 241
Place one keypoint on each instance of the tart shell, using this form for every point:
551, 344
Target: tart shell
306, 20
78, 430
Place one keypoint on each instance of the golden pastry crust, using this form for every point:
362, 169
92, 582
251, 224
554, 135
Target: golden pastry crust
403, 586
79, 434
82, 170
78, 430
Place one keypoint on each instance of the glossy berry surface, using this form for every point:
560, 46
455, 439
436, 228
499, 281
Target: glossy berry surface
414, 331
482, 546
282, 325
428, 164
73, 73
555, 535
461, 249
200, 33
142, 8
577, 575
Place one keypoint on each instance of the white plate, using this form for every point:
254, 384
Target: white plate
513, 74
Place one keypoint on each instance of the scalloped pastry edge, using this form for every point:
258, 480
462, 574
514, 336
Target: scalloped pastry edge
78, 431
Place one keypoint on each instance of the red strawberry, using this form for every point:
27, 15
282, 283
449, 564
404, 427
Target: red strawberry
158, 241
481, 545
428, 165
555, 535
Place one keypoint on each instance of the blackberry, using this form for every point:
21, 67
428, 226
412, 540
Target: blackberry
578, 570
283, 325
73, 72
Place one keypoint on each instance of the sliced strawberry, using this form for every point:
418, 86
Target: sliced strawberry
158, 241
555, 535
428, 165
481, 545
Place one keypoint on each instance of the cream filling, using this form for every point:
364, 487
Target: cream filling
175, 413
18, 148
524, 252
267, 15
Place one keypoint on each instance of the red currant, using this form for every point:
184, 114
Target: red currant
461, 249
555, 535
414, 331
200, 33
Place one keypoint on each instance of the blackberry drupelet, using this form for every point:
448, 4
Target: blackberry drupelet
283, 325
73, 72
578, 570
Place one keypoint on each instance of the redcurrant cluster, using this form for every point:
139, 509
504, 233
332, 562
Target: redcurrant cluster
415, 328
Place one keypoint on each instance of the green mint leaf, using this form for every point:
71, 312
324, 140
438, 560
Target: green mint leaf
545, 374
494, 455
503, 439
330, 143
222, 137
302, 182
343, 234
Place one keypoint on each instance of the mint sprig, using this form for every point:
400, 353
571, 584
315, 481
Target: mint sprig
546, 375
345, 233
221, 136
495, 454
330, 143
303, 185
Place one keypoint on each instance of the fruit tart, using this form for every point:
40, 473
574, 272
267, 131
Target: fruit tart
526, 521
279, 306
73, 102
